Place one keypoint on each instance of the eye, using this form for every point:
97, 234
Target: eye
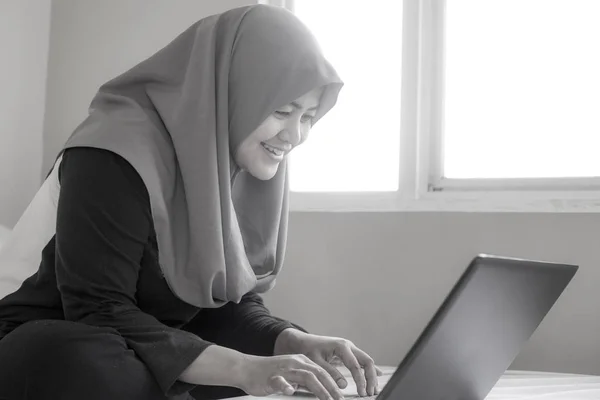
307, 118
283, 114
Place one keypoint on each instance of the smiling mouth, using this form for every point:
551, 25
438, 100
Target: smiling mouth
273, 150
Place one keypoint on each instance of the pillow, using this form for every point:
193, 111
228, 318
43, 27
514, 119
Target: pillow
21, 253
4, 232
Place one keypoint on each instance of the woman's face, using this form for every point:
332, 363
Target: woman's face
262, 151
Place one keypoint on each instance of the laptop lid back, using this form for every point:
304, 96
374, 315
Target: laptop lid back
478, 331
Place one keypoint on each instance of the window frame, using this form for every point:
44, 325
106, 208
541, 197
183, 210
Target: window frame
422, 186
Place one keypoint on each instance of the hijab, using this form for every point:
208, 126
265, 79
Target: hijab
178, 117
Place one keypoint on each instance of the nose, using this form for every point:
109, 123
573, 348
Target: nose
291, 133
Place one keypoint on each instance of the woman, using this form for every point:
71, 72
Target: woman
171, 216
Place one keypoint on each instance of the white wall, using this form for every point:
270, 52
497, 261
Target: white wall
375, 278
24, 29
94, 41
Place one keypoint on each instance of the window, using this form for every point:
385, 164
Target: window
483, 105
355, 147
522, 89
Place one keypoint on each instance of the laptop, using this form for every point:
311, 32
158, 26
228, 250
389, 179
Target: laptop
478, 331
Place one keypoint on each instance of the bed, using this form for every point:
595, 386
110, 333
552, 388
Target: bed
513, 385
526, 385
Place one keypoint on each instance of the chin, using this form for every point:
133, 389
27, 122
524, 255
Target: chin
264, 174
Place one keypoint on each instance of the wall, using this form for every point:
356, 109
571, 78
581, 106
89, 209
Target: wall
24, 28
375, 278
91, 42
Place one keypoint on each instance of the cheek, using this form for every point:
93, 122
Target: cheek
268, 129
305, 132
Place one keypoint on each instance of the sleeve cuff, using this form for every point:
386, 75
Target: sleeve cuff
168, 369
271, 335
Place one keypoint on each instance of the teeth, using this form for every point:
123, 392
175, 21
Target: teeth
273, 150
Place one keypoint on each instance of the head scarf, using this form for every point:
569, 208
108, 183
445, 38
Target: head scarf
177, 118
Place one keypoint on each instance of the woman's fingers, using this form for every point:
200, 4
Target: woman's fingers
280, 385
333, 371
325, 378
345, 353
370, 370
310, 381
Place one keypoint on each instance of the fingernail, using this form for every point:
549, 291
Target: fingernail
342, 383
363, 392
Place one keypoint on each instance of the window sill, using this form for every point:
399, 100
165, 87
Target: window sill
472, 201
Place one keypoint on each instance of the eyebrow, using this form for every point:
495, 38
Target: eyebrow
298, 106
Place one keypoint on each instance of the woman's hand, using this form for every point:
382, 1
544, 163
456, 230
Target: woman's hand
327, 352
263, 376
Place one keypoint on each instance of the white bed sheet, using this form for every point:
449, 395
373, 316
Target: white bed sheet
513, 385
526, 385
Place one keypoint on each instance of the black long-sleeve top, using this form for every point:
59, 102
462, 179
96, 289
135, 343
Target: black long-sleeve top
101, 268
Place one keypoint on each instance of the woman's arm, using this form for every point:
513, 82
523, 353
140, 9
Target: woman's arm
247, 326
103, 225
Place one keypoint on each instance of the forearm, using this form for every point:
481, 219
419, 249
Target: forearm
247, 327
216, 366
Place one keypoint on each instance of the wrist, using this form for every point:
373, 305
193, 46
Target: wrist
239, 372
217, 366
289, 342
